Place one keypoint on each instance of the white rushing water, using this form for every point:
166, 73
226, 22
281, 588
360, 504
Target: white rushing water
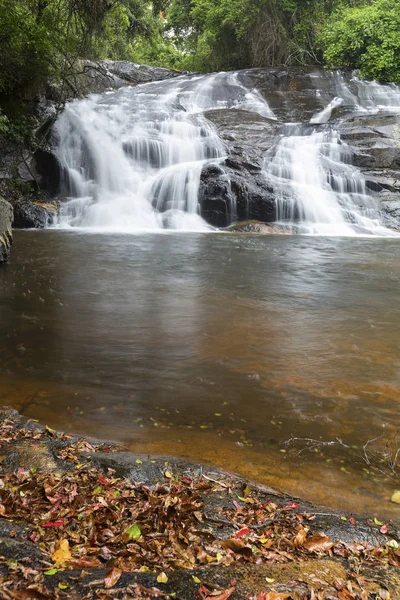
132, 159
317, 190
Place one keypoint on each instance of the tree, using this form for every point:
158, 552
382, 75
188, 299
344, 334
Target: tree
365, 37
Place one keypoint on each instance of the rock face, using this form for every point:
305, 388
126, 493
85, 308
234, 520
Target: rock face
237, 189
6, 217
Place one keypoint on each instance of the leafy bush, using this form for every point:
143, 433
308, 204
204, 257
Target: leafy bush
365, 38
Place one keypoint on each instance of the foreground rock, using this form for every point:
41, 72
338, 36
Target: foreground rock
82, 518
6, 218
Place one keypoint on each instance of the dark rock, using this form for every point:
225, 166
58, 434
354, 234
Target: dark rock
6, 217
28, 215
236, 188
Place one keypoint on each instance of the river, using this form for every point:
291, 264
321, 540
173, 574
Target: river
215, 347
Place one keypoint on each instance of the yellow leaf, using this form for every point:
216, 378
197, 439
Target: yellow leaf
219, 556
62, 553
162, 578
168, 475
269, 579
396, 497
196, 579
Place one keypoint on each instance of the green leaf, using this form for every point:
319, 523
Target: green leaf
133, 532
62, 586
138, 461
51, 572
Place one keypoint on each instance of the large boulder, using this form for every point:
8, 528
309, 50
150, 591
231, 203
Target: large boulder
6, 217
33, 215
236, 188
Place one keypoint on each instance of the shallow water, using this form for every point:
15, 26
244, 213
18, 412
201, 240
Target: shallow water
215, 347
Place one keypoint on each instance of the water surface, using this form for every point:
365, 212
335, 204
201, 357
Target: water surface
215, 347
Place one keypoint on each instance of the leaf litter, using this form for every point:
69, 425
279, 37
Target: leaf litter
84, 518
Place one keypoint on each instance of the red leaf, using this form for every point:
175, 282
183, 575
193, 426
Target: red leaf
103, 480
237, 505
352, 520
59, 523
384, 529
290, 506
34, 537
242, 532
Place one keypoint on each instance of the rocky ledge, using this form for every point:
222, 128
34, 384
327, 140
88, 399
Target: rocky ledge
82, 518
6, 219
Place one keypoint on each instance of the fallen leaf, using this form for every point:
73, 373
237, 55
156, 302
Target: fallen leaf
112, 577
276, 596
352, 520
62, 553
237, 546
396, 497
318, 543
162, 578
221, 596
269, 579
50, 571
291, 506
300, 536
50, 431
196, 579
384, 529
168, 475
62, 585
133, 532
59, 523
242, 532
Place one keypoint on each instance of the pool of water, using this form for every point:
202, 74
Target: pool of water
233, 350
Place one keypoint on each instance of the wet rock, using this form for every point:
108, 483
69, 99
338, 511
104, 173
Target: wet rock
258, 227
29, 454
390, 211
6, 217
29, 215
236, 188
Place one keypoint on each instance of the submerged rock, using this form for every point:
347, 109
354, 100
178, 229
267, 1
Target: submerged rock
258, 227
6, 217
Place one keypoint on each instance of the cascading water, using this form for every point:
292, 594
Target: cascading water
317, 190
132, 159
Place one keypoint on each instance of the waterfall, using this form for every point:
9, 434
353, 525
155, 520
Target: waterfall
317, 190
132, 159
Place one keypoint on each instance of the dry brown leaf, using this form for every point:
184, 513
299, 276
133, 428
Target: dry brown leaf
112, 577
62, 553
276, 596
318, 543
237, 546
221, 596
300, 536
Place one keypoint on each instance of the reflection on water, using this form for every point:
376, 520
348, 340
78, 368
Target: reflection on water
215, 347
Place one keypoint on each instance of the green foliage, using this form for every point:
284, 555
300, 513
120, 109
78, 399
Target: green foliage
366, 38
